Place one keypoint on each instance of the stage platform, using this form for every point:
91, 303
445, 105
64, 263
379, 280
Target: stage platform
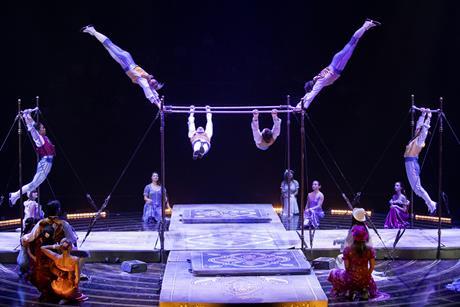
415, 244
125, 245
181, 288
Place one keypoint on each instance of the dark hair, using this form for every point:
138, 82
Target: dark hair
52, 208
47, 230
359, 247
37, 126
403, 190
309, 86
267, 135
29, 223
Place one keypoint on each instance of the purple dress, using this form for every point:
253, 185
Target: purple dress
313, 217
397, 217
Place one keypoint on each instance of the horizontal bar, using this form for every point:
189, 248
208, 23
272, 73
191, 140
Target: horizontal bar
426, 110
225, 111
230, 107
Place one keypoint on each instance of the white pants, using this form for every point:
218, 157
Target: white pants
43, 169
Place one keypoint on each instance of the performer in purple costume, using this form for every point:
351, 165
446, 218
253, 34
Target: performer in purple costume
332, 72
398, 217
314, 208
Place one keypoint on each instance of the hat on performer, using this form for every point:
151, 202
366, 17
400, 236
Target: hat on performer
359, 214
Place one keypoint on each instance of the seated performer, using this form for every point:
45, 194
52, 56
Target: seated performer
48, 231
413, 149
293, 186
46, 153
332, 72
67, 271
137, 75
152, 198
200, 138
398, 217
267, 137
31, 207
359, 263
314, 208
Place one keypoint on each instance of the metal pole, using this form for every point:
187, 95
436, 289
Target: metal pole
163, 181
226, 111
171, 107
412, 131
288, 132
21, 204
438, 253
302, 177
37, 119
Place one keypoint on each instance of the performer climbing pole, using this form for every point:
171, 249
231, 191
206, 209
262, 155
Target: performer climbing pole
137, 75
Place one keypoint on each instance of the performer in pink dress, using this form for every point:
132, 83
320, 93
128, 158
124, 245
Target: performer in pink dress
359, 263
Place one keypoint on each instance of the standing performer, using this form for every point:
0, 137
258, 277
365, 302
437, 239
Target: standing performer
398, 217
293, 186
152, 198
314, 208
200, 138
31, 207
413, 149
46, 153
267, 137
137, 75
332, 72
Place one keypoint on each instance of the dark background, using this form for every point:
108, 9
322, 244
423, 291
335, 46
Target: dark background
227, 53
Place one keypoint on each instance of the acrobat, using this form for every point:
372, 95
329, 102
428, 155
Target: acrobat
137, 75
332, 72
267, 137
46, 153
411, 153
200, 138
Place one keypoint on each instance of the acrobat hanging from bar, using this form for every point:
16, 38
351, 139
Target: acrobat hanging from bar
328, 75
200, 138
267, 137
411, 153
137, 75
46, 153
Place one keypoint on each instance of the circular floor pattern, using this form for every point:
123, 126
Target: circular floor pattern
107, 285
407, 283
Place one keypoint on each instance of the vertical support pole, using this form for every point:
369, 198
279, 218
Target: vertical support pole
302, 177
21, 203
412, 131
439, 205
37, 119
163, 182
288, 131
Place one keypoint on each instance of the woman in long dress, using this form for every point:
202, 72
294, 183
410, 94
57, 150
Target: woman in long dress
294, 190
152, 198
398, 216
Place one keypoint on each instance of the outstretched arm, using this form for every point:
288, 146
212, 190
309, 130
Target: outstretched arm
191, 122
46, 249
424, 130
38, 139
276, 124
150, 93
255, 127
209, 126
